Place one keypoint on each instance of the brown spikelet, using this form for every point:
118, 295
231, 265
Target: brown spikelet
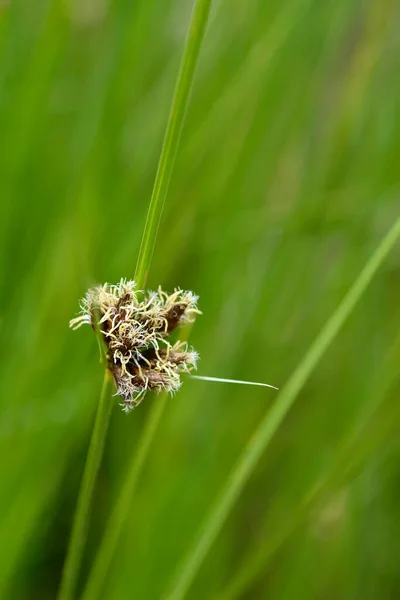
135, 326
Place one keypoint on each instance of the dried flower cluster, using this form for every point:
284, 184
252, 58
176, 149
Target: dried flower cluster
135, 326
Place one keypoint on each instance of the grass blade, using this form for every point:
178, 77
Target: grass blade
172, 136
273, 419
344, 467
116, 521
81, 518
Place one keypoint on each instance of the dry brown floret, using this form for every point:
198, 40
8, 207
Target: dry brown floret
135, 326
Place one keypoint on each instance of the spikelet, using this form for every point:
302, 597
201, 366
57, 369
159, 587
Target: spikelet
135, 326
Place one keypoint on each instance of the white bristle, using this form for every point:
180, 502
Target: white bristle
220, 380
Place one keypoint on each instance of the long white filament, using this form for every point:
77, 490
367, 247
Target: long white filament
220, 380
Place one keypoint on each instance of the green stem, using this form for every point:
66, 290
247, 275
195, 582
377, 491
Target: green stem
272, 420
172, 136
120, 511
351, 457
80, 525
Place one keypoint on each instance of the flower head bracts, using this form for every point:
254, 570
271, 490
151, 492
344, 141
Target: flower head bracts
135, 326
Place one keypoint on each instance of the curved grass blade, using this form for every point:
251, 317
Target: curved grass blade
272, 420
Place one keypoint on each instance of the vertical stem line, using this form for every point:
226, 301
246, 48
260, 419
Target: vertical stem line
80, 525
120, 511
172, 136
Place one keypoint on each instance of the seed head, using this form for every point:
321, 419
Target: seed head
135, 326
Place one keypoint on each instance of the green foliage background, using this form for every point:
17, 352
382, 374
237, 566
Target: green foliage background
286, 179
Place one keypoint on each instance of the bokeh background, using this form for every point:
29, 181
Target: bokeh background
286, 179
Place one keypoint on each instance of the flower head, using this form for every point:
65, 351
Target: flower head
135, 326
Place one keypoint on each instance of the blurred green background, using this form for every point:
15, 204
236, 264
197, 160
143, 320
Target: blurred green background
286, 179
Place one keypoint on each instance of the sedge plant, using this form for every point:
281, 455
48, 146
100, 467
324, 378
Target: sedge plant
266, 216
171, 141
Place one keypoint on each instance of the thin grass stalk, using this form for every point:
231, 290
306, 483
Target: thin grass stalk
272, 420
172, 136
119, 513
71, 568
344, 466
259, 560
81, 518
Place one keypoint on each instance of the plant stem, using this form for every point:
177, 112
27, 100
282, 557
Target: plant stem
351, 456
121, 510
272, 420
80, 525
172, 136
